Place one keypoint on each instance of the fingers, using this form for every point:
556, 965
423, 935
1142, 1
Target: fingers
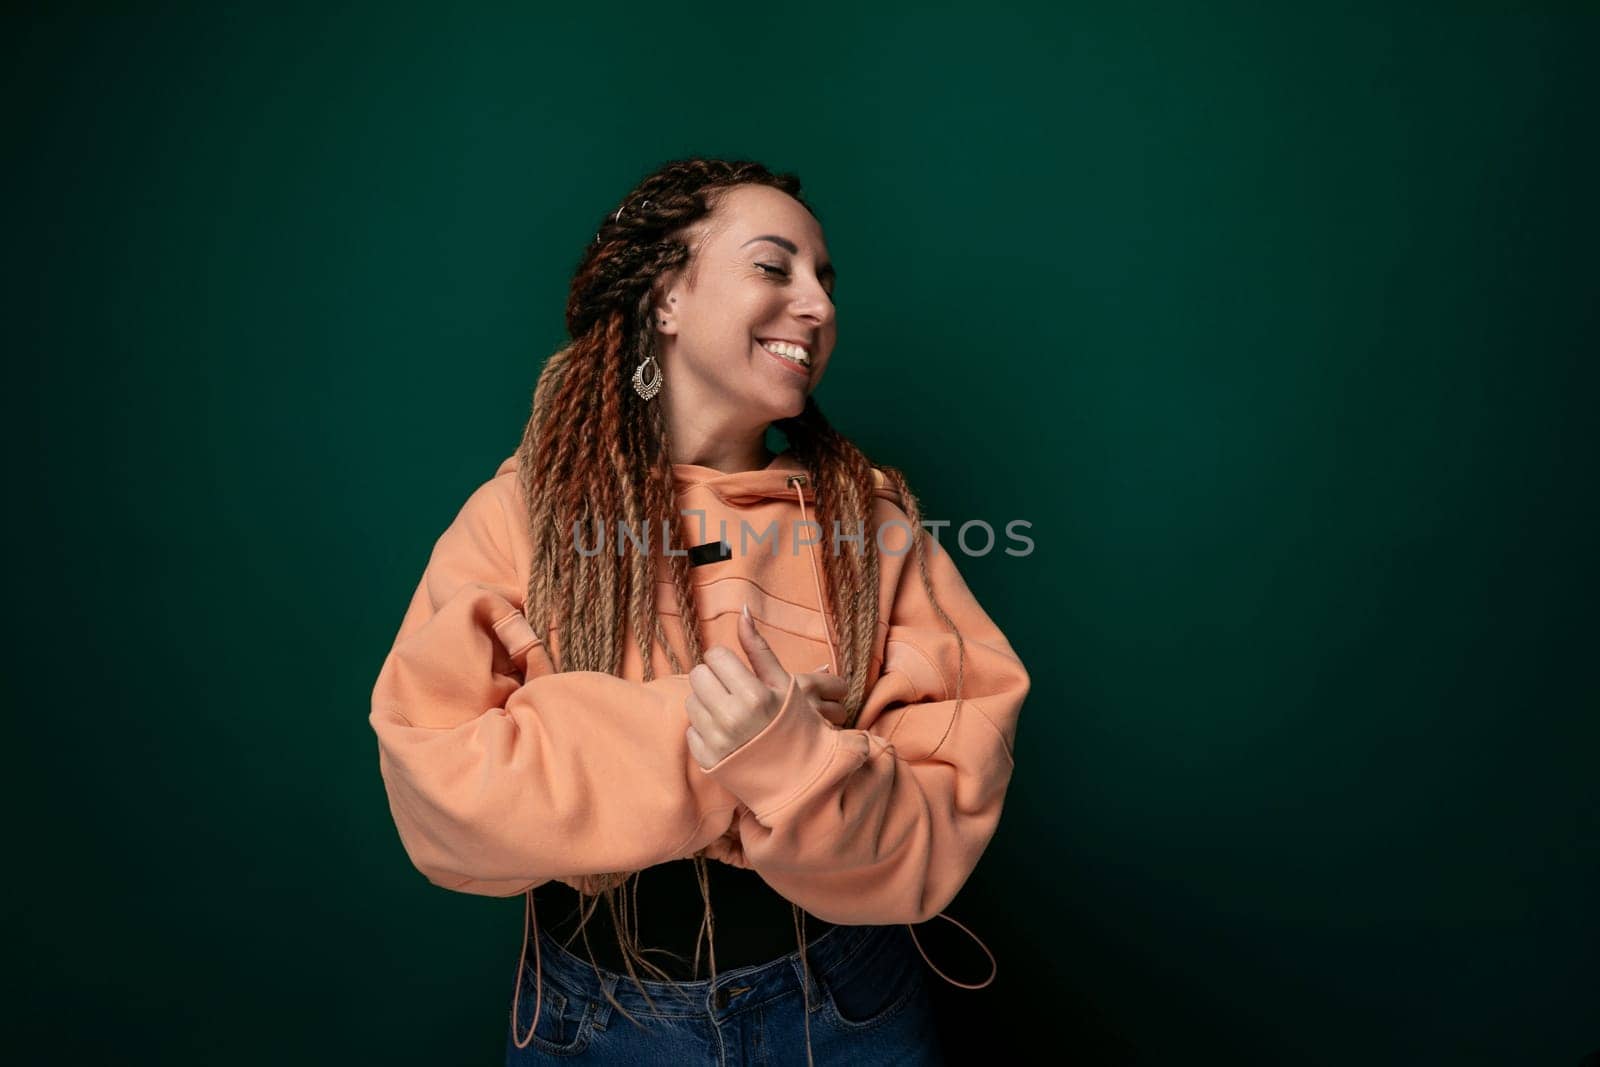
762, 658
702, 753
824, 686
735, 679
703, 727
706, 686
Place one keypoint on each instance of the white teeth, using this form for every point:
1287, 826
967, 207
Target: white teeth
792, 353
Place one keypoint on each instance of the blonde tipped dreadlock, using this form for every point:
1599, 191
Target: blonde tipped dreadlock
619, 466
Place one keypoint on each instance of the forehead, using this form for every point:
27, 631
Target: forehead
748, 211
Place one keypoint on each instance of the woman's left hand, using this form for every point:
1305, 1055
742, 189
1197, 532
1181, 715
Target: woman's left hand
729, 704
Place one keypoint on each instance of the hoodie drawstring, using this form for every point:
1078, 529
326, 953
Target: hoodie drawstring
538, 972
816, 577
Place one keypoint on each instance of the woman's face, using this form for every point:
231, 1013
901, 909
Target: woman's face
758, 272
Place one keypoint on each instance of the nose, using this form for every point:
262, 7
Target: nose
813, 304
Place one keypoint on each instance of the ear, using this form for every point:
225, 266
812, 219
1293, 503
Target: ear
664, 304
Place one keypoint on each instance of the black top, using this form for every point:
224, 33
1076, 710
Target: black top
753, 923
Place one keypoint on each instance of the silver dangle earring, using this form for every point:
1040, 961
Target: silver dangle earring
647, 390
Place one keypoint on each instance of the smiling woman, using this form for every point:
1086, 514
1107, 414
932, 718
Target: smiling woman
825, 740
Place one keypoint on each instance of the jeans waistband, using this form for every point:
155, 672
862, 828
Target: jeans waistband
735, 990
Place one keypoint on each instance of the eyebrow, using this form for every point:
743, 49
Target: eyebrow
824, 271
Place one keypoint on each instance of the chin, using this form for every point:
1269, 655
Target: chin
791, 409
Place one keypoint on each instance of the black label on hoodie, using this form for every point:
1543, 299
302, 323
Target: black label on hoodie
710, 552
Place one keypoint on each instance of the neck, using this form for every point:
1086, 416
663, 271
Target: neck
709, 441
726, 456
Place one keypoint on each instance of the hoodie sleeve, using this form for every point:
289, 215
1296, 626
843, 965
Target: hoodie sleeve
497, 783
883, 823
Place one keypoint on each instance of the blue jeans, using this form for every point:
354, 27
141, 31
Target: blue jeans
868, 995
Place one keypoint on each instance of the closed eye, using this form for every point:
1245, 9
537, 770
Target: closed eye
773, 268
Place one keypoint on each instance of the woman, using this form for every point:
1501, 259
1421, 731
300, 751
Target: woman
834, 729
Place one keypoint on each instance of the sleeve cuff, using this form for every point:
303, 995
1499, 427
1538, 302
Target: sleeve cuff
780, 763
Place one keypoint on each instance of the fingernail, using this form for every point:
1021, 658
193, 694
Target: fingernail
821, 670
747, 610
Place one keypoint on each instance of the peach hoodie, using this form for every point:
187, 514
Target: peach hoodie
502, 774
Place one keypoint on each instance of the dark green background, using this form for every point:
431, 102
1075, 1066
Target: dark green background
1278, 328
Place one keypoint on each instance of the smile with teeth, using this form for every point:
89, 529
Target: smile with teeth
792, 353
